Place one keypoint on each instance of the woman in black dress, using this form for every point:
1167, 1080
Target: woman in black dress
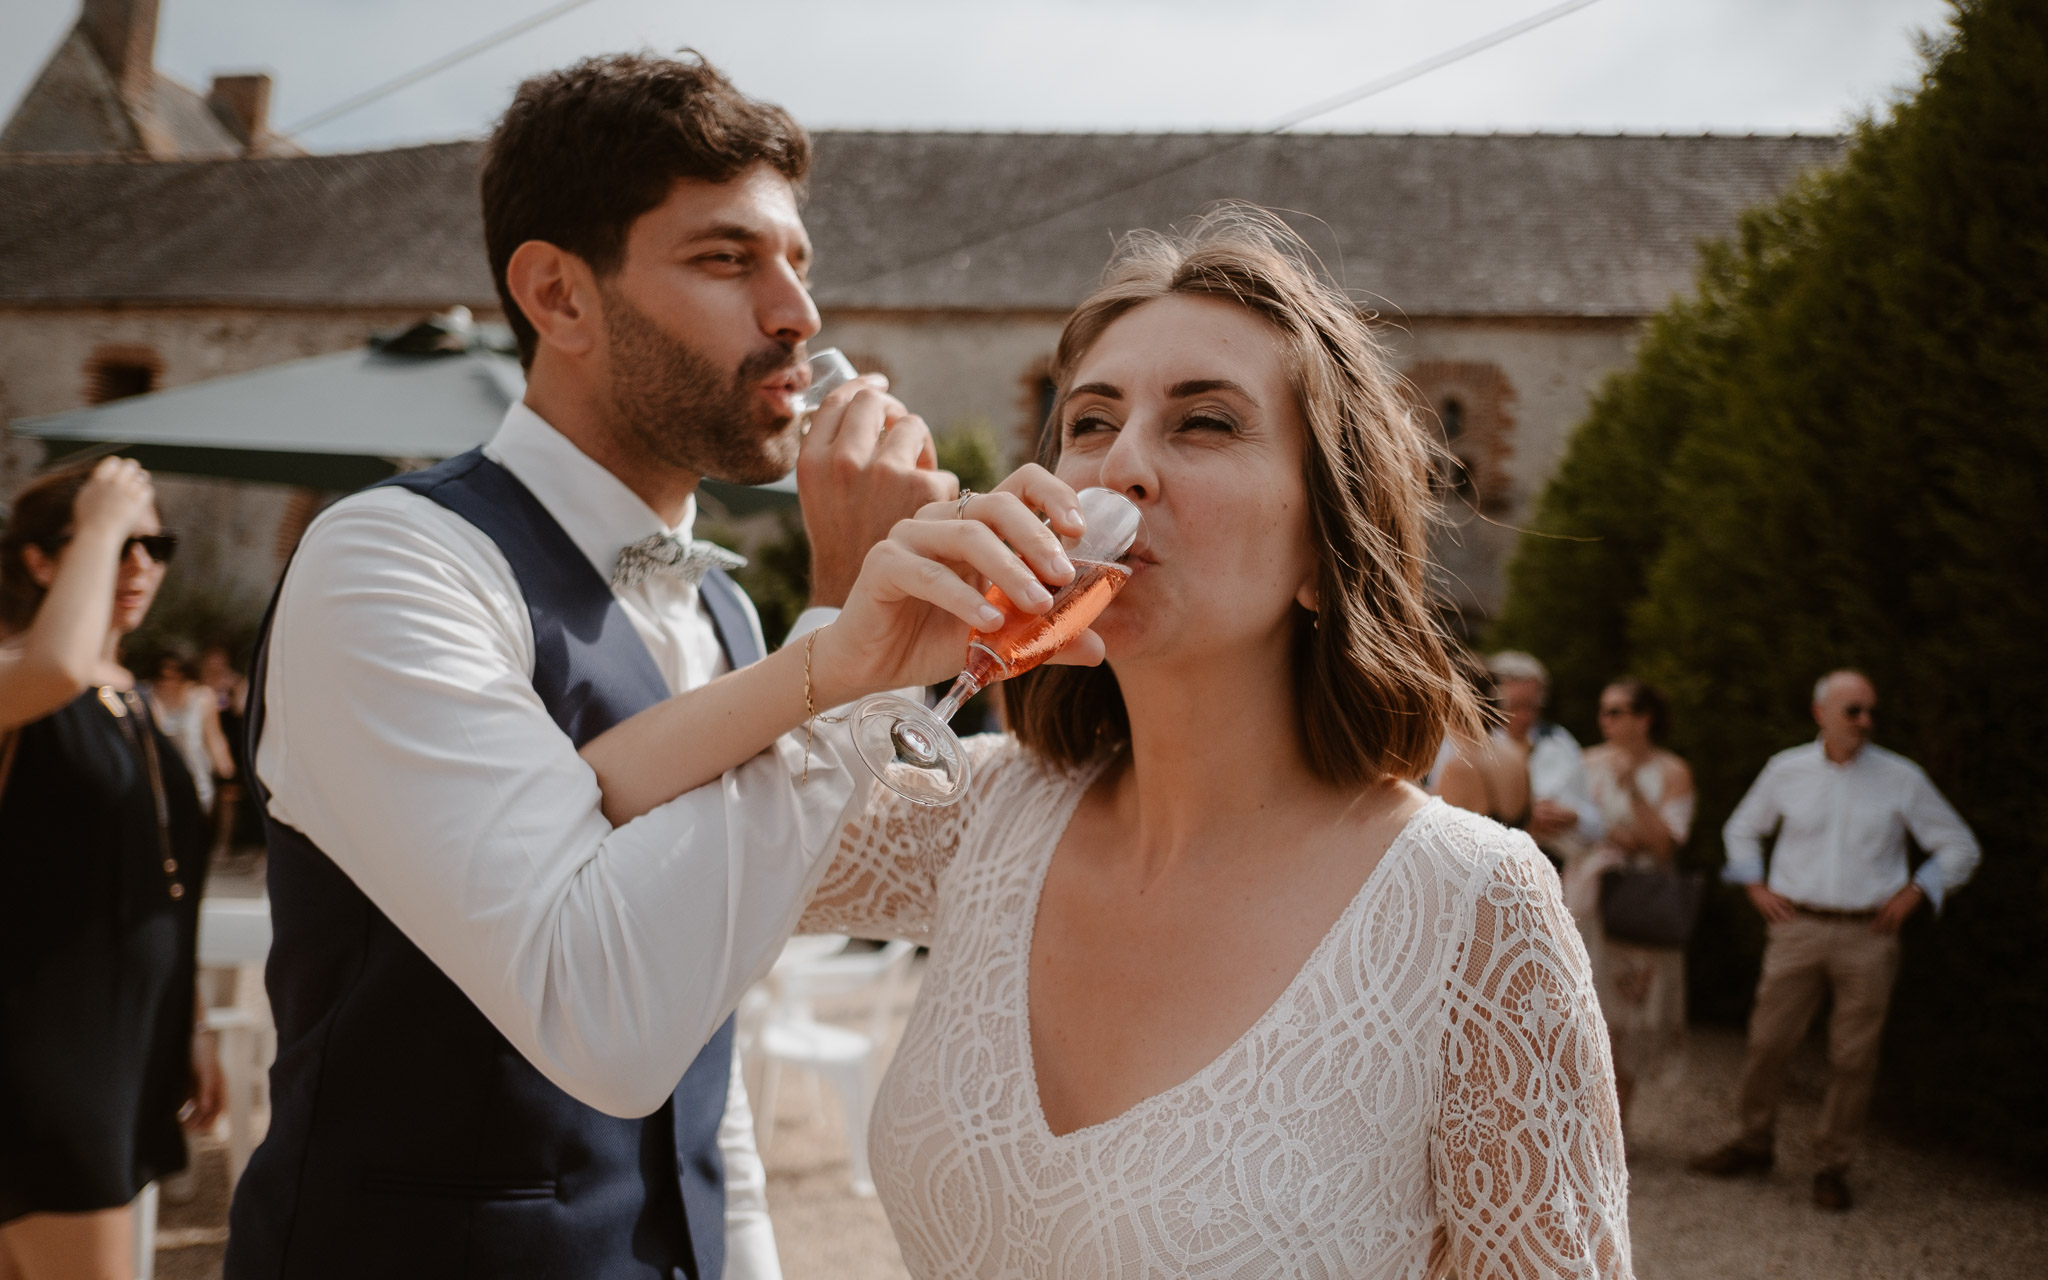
102, 853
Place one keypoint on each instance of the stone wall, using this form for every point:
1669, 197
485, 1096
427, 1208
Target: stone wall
238, 532
1519, 386
1522, 384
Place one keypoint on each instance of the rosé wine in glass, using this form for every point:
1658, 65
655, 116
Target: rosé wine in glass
909, 747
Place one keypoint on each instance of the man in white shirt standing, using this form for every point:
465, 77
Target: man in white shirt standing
1563, 819
1838, 890
504, 1033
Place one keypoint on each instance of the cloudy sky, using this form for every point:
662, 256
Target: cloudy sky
1620, 65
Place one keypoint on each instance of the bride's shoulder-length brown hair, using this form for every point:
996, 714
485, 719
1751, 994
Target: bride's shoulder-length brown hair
1375, 681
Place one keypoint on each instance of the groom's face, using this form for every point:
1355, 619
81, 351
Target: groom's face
705, 322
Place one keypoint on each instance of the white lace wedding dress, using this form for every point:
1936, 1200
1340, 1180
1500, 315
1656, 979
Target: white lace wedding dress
1431, 1095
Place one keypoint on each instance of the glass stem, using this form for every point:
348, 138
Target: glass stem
956, 697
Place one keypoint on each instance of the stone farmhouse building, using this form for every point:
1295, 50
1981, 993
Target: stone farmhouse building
1510, 273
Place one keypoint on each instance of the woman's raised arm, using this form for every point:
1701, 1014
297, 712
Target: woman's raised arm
57, 655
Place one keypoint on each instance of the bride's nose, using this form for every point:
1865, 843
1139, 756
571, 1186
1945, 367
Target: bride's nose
1130, 466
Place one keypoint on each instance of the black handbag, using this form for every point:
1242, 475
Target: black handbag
1651, 907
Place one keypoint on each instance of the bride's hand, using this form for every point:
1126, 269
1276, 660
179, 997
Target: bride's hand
920, 590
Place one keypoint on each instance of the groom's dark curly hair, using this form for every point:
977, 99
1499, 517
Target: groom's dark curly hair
583, 152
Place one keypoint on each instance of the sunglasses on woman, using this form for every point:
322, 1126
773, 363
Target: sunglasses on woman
159, 547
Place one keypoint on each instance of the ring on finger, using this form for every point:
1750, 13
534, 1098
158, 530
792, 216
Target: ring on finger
960, 507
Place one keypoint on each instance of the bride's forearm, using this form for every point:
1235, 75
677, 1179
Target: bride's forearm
688, 740
904, 624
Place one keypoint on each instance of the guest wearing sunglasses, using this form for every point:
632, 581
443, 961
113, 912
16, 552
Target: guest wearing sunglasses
1645, 796
102, 855
1837, 892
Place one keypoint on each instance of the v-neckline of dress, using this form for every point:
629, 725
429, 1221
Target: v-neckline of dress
1021, 1024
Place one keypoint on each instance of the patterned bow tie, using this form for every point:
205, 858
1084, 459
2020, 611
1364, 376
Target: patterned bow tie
667, 556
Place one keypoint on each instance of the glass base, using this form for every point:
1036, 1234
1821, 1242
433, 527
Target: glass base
910, 750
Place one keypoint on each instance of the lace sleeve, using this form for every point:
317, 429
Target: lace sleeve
884, 876
1527, 1157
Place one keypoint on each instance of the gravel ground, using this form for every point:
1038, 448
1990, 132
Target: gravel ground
1918, 1216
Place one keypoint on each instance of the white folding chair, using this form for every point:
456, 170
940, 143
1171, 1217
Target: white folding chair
144, 1209
790, 1035
234, 934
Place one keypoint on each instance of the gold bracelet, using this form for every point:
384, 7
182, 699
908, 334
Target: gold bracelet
811, 715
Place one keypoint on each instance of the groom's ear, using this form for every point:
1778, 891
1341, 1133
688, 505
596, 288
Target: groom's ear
558, 294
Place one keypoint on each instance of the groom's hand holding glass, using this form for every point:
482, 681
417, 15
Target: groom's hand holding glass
865, 460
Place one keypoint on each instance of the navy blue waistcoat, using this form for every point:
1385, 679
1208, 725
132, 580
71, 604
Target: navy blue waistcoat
407, 1136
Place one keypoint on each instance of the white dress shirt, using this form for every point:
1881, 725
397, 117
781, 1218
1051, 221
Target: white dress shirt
403, 737
1557, 773
1842, 830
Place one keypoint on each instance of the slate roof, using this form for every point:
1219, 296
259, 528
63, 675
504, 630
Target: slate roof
1534, 225
374, 228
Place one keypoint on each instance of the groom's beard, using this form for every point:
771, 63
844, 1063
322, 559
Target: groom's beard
672, 401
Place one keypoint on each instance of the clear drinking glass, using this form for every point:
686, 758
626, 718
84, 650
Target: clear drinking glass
829, 369
909, 747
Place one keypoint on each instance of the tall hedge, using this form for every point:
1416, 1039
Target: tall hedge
1837, 454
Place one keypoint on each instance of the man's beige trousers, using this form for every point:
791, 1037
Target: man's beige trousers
1805, 958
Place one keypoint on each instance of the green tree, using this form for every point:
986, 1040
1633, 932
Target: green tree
1854, 465
1599, 525
971, 452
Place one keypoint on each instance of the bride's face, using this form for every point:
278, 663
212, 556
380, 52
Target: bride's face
1183, 406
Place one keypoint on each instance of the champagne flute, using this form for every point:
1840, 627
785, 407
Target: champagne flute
909, 747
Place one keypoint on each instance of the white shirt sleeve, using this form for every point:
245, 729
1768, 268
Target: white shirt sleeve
1578, 797
1557, 773
1743, 836
1951, 846
405, 739
808, 621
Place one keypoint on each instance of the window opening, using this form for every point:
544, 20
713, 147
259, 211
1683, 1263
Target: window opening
119, 379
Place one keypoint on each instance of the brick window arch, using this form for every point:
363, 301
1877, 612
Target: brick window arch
1036, 392
115, 373
1468, 403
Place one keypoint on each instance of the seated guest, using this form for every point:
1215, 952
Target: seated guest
1562, 816
1489, 776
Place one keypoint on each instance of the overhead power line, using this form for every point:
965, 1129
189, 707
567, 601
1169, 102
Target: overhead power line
1417, 70
1293, 118
442, 63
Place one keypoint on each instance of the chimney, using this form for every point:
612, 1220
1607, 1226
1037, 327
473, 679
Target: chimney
124, 33
243, 104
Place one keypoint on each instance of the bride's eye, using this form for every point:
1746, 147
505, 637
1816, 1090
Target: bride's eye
1089, 424
1208, 420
